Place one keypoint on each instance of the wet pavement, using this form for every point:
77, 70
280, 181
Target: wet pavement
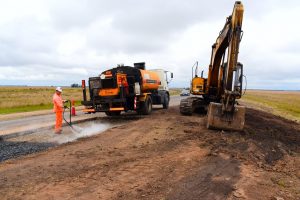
42, 140
33, 134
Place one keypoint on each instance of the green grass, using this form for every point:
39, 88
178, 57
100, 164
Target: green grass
283, 103
28, 108
175, 91
25, 99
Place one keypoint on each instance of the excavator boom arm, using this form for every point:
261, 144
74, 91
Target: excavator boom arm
233, 49
223, 90
229, 38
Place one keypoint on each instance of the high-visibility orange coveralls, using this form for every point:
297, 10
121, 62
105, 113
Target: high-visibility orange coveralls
58, 109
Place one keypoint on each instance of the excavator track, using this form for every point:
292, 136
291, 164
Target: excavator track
191, 104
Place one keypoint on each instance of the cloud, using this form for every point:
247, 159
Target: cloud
61, 42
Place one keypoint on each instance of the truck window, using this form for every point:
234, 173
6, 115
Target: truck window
108, 83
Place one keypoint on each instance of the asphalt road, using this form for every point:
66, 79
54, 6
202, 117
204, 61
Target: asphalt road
40, 119
36, 122
38, 139
7, 124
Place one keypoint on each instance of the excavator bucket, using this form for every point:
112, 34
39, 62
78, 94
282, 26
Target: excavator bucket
229, 121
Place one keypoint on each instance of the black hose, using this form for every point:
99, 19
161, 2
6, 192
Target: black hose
69, 123
66, 107
65, 118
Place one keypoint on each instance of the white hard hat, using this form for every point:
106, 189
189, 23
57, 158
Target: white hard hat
59, 89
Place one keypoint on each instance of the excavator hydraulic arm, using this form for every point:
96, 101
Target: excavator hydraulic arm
225, 79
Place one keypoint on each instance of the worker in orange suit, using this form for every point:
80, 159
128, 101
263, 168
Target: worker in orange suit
58, 109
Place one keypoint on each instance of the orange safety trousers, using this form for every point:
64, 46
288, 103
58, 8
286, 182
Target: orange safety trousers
58, 109
58, 121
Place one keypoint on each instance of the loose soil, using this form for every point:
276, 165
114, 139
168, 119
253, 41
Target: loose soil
165, 156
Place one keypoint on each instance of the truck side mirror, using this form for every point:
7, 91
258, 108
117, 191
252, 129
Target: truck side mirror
171, 74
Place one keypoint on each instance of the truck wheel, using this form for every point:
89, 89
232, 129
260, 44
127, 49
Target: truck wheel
166, 102
116, 113
146, 106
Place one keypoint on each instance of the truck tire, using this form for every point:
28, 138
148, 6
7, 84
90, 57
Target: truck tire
146, 106
166, 101
115, 113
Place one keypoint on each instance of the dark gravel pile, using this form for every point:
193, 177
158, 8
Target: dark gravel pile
9, 150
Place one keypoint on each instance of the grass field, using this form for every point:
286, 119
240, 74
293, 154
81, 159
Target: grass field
283, 103
25, 99
175, 91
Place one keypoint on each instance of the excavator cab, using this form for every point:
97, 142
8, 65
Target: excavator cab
197, 86
197, 83
238, 80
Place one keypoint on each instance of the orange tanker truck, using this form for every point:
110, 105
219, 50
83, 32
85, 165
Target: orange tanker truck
126, 88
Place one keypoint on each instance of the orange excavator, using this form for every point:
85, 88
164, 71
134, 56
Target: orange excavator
217, 93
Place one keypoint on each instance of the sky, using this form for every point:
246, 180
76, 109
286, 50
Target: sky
60, 42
